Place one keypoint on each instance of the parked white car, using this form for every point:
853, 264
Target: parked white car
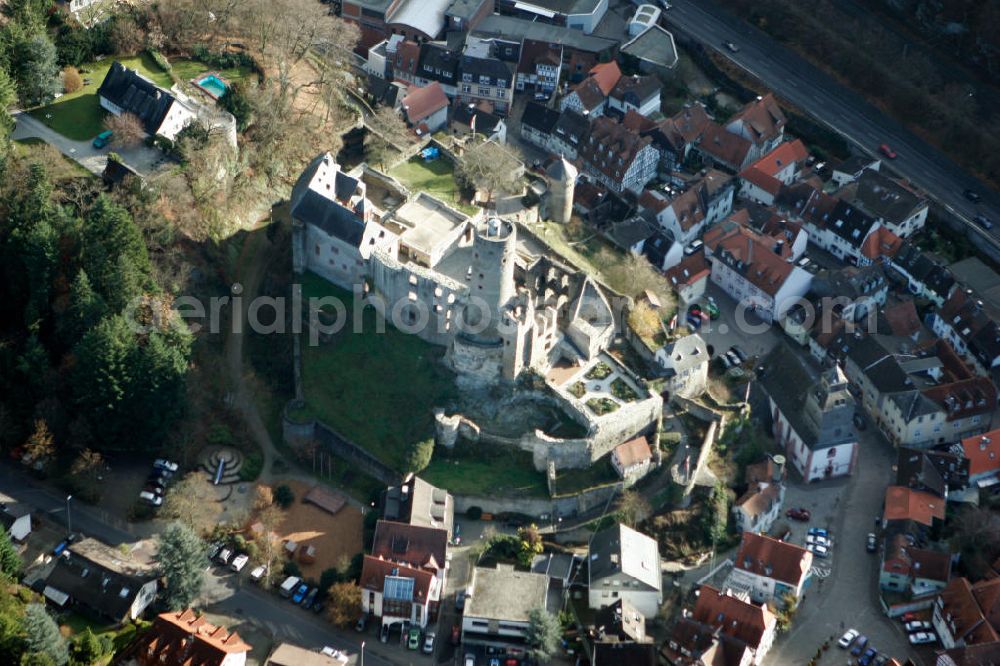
155, 500
922, 637
918, 625
848, 638
818, 550
258, 574
335, 654
224, 556
815, 540
239, 562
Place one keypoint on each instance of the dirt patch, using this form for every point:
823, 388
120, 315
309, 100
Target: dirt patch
333, 536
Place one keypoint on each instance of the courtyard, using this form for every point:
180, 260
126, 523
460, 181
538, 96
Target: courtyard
378, 389
436, 178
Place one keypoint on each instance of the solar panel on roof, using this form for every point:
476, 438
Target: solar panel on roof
398, 588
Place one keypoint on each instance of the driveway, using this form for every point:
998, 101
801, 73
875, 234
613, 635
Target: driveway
843, 592
142, 158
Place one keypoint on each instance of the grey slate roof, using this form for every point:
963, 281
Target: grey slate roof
621, 554
881, 367
820, 416
540, 118
492, 69
128, 90
572, 125
655, 45
850, 223
438, 63
687, 352
104, 590
518, 29
311, 207
883, 197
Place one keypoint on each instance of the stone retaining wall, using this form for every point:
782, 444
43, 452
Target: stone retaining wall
566, 505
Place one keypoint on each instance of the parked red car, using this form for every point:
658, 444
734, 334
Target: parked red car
798, 514
887, 151
456, 634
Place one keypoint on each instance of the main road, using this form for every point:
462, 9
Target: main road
807, 87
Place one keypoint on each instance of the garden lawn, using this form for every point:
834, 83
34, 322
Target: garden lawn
436, 178
376, 389
79, 115
476, 469
186, 69
571, 481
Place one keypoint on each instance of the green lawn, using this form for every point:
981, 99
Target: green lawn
478, 469
436, 178
377, 389
186, 69
78, 115
571, 481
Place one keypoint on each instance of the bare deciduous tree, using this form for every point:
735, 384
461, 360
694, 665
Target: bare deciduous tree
127, 130
491, 168
40, 445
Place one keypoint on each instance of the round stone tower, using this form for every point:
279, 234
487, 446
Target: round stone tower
490, 276
562, 183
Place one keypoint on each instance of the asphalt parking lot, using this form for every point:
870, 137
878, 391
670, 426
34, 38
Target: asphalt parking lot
733, 327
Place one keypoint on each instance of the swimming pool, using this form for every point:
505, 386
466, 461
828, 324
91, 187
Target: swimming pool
213, 85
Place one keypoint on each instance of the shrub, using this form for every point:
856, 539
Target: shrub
577, 390
252, 466
601, 406
599, 371
159, 59
474, 513
236, 102
72, 81
621, 390
291, 569
284, 496
419, 455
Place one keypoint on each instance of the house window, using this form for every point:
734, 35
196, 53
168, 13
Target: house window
485, 92
466, 89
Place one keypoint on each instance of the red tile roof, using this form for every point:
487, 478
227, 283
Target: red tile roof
761, 179
983, 452
930, 564
734, 617
725, 147
789, 152
881, 243
763, 117
902, 318
632, 452
606, 75
186, 639
414, 545
607, 134
689, 271
421, 103
749, 253
780, 560
963, 615
407, 58
637, 122
534, 52
902, 503
987, 594
374, 570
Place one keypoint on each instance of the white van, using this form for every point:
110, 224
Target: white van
239, 562
289, 586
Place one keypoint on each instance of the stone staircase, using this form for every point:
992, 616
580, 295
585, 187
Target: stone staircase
232, 461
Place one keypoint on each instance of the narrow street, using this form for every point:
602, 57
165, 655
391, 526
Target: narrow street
848, 595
